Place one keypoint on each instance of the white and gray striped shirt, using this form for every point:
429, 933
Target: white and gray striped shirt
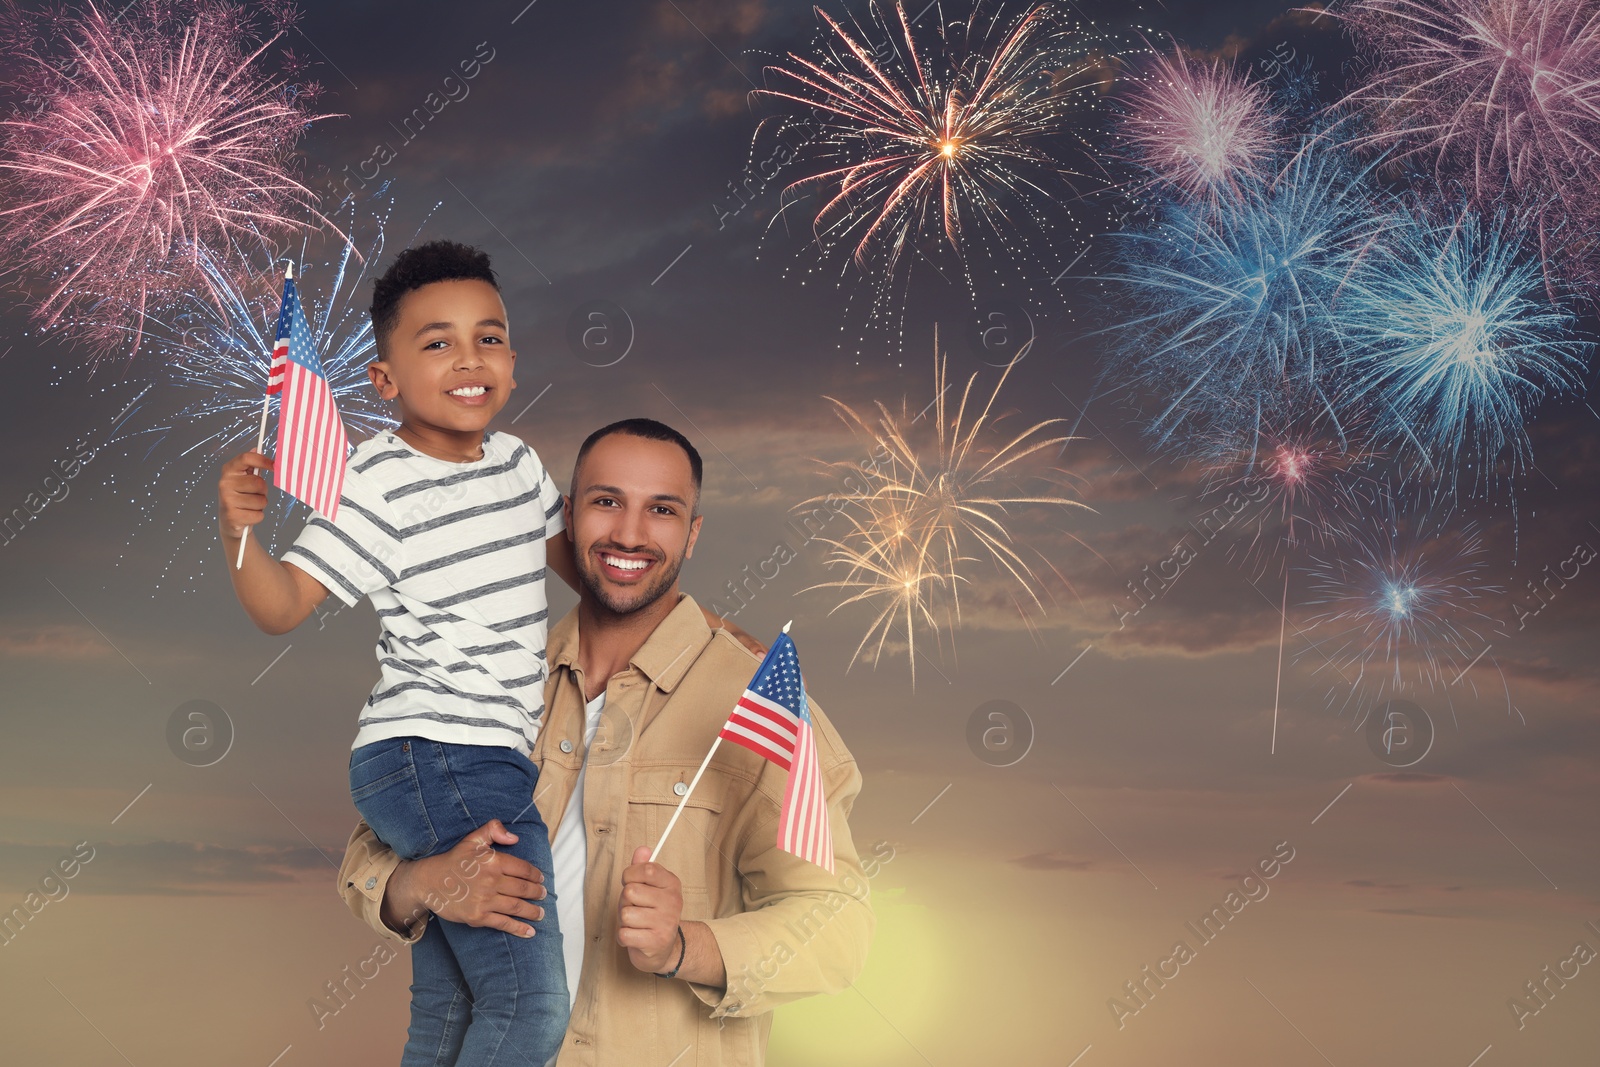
453, 557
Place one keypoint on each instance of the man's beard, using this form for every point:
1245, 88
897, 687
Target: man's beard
640, 598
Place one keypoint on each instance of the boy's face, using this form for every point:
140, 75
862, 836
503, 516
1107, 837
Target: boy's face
449, 357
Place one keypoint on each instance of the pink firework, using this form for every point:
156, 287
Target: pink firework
1500, 96
144, 138
1199, 128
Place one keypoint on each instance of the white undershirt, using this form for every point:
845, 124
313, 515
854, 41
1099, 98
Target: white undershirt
569, 855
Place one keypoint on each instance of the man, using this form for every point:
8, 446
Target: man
695, 949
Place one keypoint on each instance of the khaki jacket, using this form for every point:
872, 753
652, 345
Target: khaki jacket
786, 928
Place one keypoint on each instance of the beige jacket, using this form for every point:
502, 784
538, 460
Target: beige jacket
786, 928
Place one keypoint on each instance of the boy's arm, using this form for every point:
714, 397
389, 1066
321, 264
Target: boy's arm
716, 621
558, 556
277, 596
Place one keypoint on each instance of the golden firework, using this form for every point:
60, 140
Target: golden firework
928, 500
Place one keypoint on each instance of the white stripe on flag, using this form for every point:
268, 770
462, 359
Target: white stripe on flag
757, 716
777, 709
762, 744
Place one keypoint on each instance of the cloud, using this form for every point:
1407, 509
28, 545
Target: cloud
54, 642
1420, 913
1053, 861
1406, 777
1294, 22
165, 868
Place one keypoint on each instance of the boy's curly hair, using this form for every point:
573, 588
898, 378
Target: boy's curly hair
424, 264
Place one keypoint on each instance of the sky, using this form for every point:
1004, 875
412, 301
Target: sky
1146, 762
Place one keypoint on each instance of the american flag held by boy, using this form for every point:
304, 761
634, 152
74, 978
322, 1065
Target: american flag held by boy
312, 447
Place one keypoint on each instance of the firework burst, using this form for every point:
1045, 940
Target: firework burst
1199, 129
1400, 603
1228, 309
1503, 95
1309, 470
215, 353
156, 138
919, 515
916, 143
1451, 340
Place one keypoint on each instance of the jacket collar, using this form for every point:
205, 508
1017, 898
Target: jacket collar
665, 656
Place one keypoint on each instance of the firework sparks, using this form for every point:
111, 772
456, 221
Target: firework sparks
1230, 308
1200, 129
922, 141
216, 353
1403, 601
1503, 95
921, 515
157, 138
1451, 341
1308, 470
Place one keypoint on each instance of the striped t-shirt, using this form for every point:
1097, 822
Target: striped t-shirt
453, 557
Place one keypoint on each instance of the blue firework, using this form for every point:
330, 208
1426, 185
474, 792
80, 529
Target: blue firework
215, 353
1451, 338
1400, 605
1228, 308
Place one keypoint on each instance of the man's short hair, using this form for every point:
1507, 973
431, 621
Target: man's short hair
650, 430
424, 264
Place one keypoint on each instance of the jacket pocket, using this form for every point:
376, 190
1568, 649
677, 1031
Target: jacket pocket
696, 851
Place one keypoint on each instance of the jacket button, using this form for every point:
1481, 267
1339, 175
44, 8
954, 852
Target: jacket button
680, 788
566, 746
372, 883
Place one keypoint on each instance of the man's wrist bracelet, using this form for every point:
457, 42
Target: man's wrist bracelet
683, 950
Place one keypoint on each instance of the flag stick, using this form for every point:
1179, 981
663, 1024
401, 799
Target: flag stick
679, 810
261, 434
696, 780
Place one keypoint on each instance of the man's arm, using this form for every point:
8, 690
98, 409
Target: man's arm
277, 596
783, 893
558, 556
725, 960
649, 913
472, 883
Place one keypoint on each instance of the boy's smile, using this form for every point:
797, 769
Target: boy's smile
449, 362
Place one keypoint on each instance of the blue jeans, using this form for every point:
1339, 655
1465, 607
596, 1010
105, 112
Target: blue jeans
478, 996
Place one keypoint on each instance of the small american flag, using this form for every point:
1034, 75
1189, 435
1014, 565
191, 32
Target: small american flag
773, 719
311, 442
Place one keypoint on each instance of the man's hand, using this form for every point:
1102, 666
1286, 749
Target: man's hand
242, 493
472, 884
648, 914
719, 622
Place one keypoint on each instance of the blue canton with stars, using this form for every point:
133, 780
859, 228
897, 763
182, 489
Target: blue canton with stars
292, 323
779, 680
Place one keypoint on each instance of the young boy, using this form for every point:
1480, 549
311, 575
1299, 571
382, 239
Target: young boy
449, 529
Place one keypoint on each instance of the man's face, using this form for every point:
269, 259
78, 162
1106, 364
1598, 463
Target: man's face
629, 519
449, 356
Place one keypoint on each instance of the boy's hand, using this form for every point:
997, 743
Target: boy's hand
717, 622
242, 493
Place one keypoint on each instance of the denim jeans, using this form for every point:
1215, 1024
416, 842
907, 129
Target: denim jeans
478, 996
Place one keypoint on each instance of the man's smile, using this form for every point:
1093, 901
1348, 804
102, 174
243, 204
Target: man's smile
623, 567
